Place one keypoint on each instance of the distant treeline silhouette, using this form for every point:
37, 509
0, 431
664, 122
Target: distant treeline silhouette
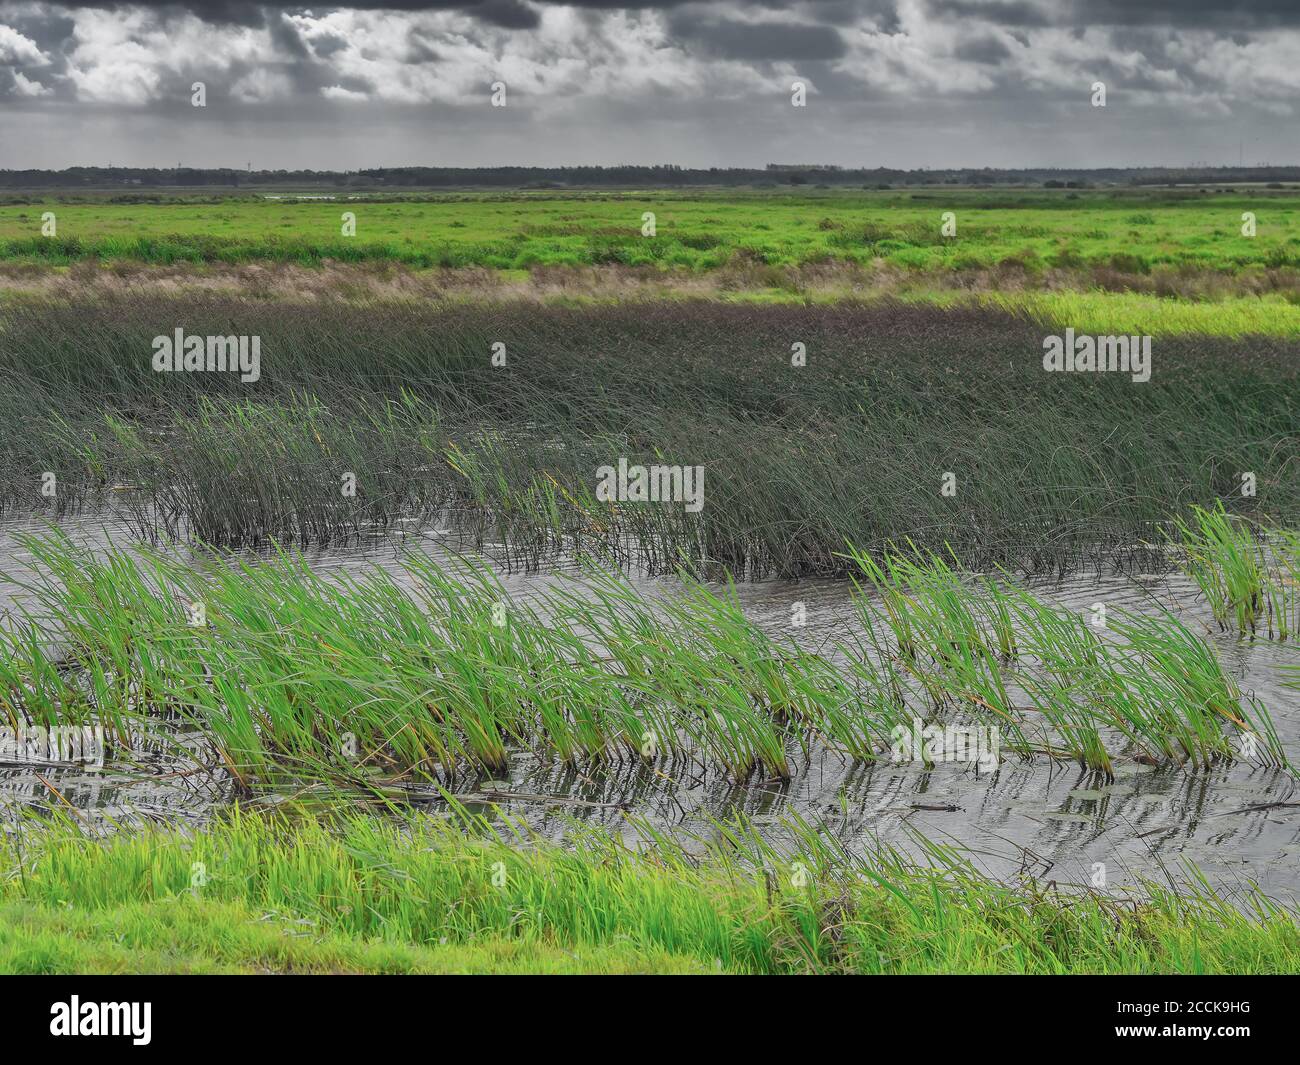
409, 177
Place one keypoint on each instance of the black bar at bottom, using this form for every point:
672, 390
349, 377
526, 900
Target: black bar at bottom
303, 1014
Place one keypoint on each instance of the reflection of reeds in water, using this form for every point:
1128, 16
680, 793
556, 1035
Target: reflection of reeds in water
359, 680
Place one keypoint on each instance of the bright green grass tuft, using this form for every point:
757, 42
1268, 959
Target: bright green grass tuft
1249, 575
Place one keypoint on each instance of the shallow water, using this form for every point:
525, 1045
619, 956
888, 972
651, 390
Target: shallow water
1053, 819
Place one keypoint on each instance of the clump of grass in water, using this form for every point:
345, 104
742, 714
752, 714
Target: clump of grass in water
362, 681
732, 901
971, 642
1243, 576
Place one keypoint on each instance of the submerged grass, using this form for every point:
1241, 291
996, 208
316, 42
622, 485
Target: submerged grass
379, 680
422, 894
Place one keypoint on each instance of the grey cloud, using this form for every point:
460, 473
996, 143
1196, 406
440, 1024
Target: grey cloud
986, 50
325, 45
286, 38
1175, 14
758, 41
1007, 13
51, 36
510, 14
49, 30
418, 50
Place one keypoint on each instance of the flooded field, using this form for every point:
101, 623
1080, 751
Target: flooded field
1237, 821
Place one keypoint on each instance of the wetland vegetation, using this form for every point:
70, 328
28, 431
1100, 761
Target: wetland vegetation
882, 446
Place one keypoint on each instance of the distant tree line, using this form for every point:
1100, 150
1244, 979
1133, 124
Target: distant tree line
433, 177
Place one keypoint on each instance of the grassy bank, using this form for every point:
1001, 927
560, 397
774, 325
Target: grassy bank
366, 894
189, 935
853, 445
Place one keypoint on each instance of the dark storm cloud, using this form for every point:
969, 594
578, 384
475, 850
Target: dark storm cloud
523, 14
883, 13
1191, 14
1018, 13
834, 12
757, 41
509, 14
223, 12
987, 50
326, 44
1174, 14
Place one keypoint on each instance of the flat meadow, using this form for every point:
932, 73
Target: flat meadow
1130, 231
1222, 261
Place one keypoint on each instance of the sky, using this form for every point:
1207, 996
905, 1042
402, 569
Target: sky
896, 83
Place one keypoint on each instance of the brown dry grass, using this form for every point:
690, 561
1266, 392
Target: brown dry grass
367, 282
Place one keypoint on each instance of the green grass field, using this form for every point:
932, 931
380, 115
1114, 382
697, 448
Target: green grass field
1130, 232
1157, 262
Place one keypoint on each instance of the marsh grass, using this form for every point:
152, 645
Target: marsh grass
1050, 468
1166, 302
985, 644
370, 681
698, 231
1249, 574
